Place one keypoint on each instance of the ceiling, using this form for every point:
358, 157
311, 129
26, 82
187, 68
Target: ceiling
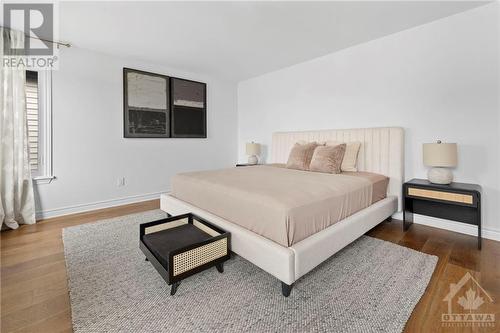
239, 40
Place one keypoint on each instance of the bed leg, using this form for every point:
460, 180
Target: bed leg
286, 289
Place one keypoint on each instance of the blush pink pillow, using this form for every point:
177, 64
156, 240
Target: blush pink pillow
300, 156
328, 159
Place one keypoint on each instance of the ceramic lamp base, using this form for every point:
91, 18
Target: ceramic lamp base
442, 176
252, 159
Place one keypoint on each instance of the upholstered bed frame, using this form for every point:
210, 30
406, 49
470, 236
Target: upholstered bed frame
382, 151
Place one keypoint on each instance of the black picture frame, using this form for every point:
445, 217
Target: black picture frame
184, 119
188, 121
154, 122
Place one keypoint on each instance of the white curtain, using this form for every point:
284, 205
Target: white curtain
16, 187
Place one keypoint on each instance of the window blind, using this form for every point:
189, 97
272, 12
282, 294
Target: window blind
33, 118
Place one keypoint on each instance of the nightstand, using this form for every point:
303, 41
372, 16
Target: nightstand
457, 201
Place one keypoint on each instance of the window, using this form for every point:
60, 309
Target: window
39, 118
32, 115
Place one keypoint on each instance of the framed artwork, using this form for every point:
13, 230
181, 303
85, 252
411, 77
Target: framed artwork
159, 106
188, 109
146, 104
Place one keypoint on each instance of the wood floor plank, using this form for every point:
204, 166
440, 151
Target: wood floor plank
20, 240
466, 254
415, 238
36, 253
24, 299
33, 273
490, 267
30, 264
34, 292
29, 246
388, 231
60, 323
38, 285
35, 314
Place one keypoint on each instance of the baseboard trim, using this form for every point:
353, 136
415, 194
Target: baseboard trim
49, 213
462, 228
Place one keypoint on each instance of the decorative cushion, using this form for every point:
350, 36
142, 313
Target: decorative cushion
350, 160
300, 156
328, 159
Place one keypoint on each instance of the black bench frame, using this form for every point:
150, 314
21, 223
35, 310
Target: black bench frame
167, 272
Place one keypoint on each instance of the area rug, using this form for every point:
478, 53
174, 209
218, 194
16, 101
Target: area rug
369, 286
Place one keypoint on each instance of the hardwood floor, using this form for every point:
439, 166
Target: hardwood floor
458, 254
34, 292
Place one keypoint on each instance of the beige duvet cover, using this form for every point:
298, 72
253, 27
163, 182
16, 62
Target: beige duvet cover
283, 205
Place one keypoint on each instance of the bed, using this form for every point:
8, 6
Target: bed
289, 221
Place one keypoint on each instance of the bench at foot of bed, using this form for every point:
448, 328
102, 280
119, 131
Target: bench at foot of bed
183, 245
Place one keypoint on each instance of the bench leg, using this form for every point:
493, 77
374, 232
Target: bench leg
286, 289
220, 267
174, 287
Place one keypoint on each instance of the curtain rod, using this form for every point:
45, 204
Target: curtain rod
50, 41
42, 39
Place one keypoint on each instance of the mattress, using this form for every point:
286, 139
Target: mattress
283, 205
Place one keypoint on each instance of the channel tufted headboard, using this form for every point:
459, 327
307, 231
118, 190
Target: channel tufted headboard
382, 150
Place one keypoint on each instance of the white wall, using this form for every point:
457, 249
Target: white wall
90, 153
438, 81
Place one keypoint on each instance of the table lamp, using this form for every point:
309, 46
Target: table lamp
441, 157
253, 149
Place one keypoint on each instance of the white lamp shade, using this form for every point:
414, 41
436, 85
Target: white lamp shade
253, 148
440, 154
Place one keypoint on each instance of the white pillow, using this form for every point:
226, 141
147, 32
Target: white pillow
304, 142
350, 160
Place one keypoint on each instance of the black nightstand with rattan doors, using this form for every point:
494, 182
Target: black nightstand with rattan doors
183, 245
457, 201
